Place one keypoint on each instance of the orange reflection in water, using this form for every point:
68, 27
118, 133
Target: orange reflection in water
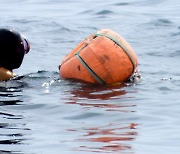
99, 92
108, 107
100, 97
113, 137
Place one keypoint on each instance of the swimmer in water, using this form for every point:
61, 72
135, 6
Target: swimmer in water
13, 47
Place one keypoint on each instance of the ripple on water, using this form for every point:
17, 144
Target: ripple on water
104, 12
122, 4
105, 138
40, 113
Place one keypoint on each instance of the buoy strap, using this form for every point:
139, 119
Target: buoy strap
119, 44
95, 76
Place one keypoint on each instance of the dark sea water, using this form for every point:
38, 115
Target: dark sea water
42, 114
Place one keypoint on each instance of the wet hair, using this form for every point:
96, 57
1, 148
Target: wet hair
11, 49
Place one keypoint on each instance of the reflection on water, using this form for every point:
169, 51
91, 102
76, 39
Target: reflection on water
10, 92
106, 138
64, 117
10, 134
99, 92
11, 127
99, 96
103, 119
115, 136
10, 102
9, 152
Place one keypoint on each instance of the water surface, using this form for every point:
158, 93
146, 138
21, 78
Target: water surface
40, 113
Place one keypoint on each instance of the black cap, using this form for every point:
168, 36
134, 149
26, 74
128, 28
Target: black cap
11, 49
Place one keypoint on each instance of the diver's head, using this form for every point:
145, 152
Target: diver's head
13, 47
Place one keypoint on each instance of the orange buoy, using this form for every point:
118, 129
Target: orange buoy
103, 57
